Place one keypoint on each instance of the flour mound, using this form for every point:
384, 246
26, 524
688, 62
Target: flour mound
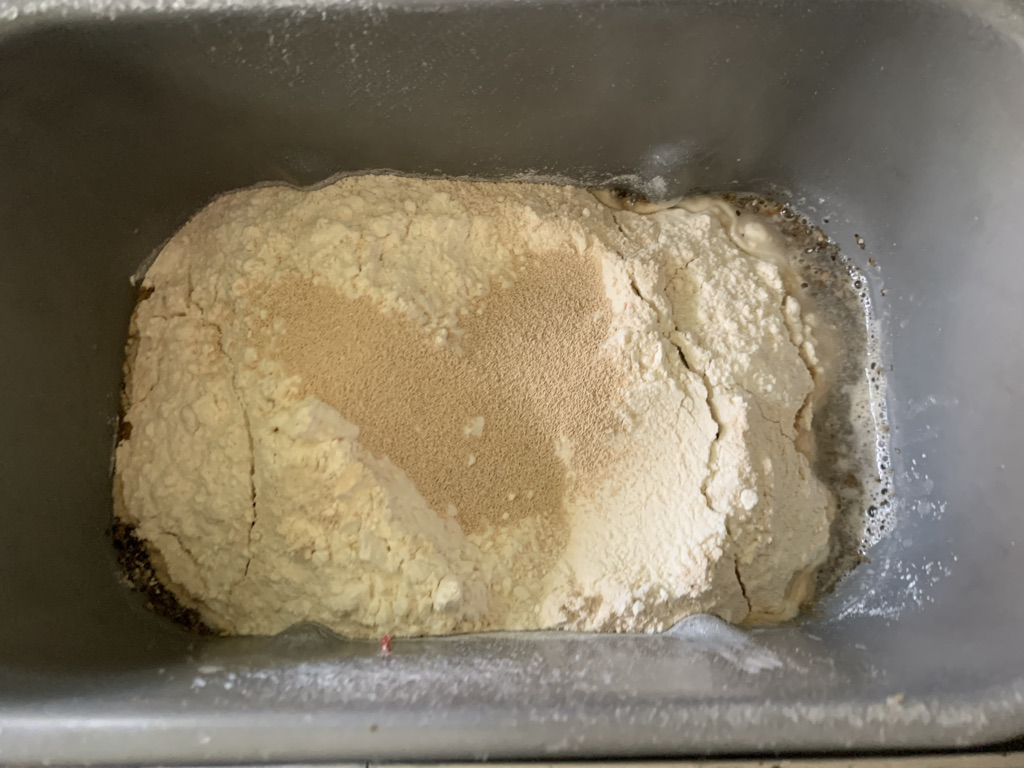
427, 407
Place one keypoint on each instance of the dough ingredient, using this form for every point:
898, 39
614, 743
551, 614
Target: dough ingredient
426, 407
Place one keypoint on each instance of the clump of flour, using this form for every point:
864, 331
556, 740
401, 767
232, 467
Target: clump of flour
428, 407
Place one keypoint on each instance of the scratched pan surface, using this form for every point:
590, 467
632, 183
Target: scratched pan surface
902, 122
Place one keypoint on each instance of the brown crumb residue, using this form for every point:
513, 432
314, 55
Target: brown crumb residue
137, 567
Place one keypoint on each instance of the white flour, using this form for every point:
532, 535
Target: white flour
430, 407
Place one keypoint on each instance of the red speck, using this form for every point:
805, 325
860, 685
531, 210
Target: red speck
385, 645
